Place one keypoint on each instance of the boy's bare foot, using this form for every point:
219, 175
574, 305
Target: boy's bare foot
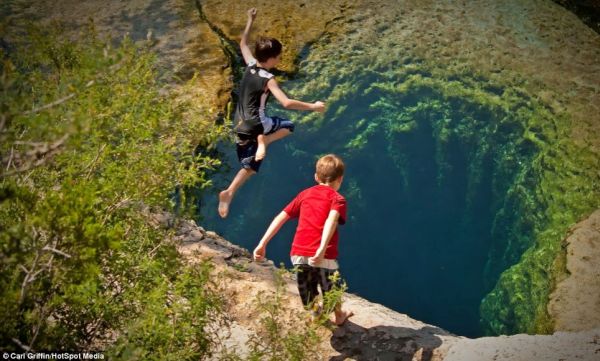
261, 152
341, 316
224, 201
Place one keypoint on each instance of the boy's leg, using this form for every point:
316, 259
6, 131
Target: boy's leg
308, 283
281, 133
246, 151
226, 196
261, 152
340, 316
281, 128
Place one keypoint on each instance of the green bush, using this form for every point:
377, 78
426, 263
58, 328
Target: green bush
286, 335
87, 145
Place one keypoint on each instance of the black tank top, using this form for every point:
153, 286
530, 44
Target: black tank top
252, 101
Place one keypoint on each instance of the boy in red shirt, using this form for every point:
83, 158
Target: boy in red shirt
315, 247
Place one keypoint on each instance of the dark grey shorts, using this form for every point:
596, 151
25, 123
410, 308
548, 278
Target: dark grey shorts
309, 278
246, 150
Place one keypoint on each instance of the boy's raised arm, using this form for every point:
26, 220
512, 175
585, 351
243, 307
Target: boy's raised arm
328, 230
246, 53
278, 221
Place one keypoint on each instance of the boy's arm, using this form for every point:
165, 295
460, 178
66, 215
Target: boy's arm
278, 221
246, 53
291, 103
328, 230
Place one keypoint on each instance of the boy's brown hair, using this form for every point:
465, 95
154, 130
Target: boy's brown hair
330, 168
266, 48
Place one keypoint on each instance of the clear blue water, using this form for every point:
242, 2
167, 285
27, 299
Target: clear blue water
428, 176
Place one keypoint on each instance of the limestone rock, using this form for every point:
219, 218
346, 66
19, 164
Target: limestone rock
581, 346
575, 303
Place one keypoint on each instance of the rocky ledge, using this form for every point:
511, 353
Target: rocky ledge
575, 303
375, 332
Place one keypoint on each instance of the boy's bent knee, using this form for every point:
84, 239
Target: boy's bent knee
281, 123
289, 126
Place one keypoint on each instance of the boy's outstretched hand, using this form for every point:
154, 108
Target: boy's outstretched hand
259, 253
318, 106
251, 13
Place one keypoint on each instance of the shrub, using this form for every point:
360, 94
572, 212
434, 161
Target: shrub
87, 143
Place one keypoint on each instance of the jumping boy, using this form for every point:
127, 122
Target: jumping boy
315, 247
255, 130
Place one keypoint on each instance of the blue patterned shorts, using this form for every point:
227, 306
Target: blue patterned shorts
246, 147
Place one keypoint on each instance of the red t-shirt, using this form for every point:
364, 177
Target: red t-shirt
312, 206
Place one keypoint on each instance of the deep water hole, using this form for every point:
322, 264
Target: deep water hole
430, 183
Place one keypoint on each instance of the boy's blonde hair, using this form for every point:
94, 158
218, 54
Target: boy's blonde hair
330, 168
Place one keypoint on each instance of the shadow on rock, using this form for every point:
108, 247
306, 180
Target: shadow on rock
385, 342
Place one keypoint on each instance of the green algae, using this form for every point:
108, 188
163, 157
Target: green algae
543, 181
567, 189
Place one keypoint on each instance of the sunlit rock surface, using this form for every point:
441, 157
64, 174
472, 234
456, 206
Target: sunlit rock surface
173, 28
297, 24
583, 346
587, 10
575, 303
